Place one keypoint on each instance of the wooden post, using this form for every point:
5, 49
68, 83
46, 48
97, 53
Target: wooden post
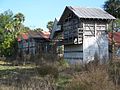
113, 46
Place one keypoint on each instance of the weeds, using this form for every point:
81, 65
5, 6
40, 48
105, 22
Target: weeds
42, 74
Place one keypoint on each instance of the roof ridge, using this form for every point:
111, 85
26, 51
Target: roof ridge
86, 12
84, 7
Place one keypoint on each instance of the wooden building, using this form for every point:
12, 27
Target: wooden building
33, 42
57, 38
85, 34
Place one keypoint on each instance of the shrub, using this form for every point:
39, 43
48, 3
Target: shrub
48, 70
94, 79
114, 72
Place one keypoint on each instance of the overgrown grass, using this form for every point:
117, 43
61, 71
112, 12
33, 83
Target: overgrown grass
93, 79
59, 75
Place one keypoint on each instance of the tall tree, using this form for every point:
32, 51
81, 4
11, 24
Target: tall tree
10, 26
50, 25
112, 7
18, 19
38, 29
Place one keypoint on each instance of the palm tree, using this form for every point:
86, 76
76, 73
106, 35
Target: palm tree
15, 24
112, 7
10, 26
18, 19
50, 25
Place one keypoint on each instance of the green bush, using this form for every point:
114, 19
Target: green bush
114, 72
48, 70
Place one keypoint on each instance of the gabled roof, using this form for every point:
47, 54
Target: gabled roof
56, 28
89, 13
34, 34
45, 34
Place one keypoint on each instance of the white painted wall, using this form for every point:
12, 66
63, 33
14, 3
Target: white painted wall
89, 48
95, 44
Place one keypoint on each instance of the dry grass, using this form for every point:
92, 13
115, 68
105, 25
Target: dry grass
94, 79
25, 83
28, 77
59, 75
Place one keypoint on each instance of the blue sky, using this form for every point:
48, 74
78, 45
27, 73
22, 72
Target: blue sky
39, 12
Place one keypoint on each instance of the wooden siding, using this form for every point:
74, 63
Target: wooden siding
73, 52
94, 41
33, 46
84, 33
72, 30
97, 43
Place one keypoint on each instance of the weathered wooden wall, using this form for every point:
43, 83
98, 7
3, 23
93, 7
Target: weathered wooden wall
90, 39
26, 46
86, 29
73, 48
73, 53
95, 41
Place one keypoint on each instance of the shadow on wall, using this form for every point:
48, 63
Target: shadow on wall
98, 50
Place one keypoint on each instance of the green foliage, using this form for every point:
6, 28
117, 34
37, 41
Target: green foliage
50, 25
38, 29
113, 7
62, 81
114, 72
5, 18
116, 26
48, 70
10, 27
63, 63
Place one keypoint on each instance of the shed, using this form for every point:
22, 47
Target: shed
85, 34
32, 42
57, 38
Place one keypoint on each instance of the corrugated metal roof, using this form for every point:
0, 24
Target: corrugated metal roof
93, 13
56, 28
39, 34
45, 34
34, 34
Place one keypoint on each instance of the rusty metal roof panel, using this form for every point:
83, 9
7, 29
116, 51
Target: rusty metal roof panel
39, 34
34, 34
93, 13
